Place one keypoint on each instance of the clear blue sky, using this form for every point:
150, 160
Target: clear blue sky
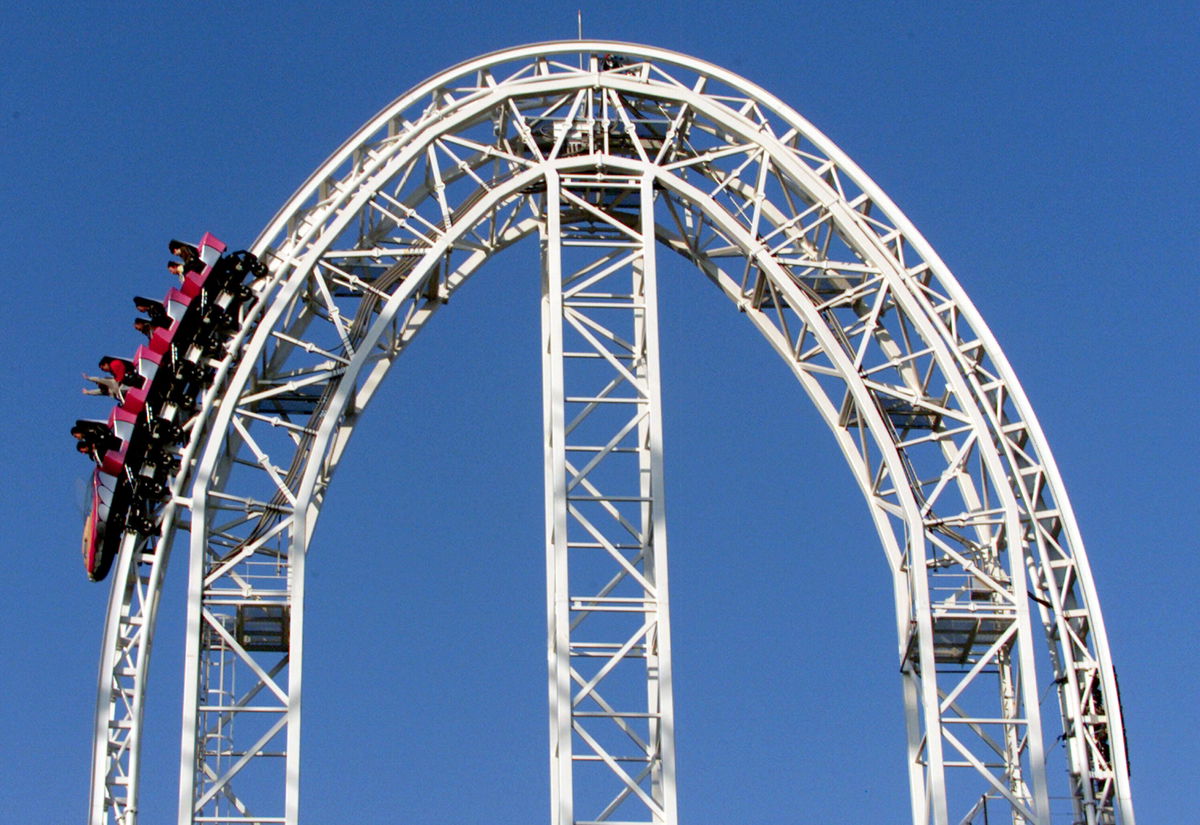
1048, 152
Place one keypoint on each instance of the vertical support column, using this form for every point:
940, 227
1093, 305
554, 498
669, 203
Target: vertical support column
660, 693
970, 685
926, 692
558, 613
294, 587
192, 665
1028, 688
241, 731
611, 713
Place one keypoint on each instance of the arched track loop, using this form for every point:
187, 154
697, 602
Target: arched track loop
959, 482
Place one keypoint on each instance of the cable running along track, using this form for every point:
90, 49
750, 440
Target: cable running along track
612, 154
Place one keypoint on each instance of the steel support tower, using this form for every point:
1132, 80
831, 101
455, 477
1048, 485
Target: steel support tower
610, 154
609, 647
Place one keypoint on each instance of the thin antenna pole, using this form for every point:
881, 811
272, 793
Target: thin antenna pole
579, 22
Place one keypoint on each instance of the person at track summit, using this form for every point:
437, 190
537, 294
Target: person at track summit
154, 311
176, 268
93, 438
96, 432
120, 369
189, 254
104, 386
91, 450
145, 326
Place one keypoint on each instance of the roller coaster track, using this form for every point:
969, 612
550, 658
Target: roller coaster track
610, 154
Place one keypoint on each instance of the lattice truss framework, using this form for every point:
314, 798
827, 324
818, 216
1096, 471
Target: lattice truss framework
997, 617
612, 755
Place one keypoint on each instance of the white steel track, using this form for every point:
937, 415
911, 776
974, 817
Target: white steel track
612, 153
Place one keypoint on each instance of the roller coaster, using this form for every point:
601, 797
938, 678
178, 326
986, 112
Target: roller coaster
156, 393
231, 420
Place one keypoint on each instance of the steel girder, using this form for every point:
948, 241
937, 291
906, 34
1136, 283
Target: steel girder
959, 482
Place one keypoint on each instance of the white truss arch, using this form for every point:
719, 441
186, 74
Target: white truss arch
608, 150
